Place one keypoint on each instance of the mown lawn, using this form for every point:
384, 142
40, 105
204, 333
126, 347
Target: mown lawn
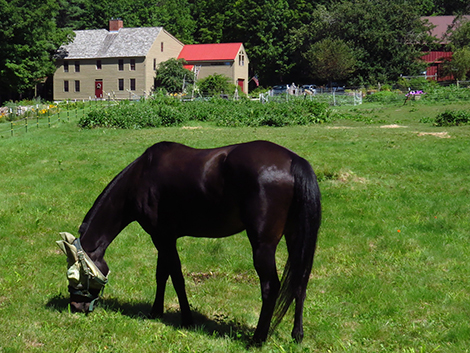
391, 272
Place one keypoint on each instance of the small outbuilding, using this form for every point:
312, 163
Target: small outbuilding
227, 59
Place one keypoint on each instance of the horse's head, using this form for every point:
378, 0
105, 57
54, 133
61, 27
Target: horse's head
85, 279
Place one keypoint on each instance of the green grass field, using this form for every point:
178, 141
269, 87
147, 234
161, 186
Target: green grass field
391, 272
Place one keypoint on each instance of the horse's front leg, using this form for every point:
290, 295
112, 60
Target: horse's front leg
169, 264
162, 276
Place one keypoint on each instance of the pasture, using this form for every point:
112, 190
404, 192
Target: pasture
391, 272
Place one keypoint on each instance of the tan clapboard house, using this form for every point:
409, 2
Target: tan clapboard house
227, 59
119, 63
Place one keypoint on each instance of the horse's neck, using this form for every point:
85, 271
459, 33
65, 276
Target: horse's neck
107, 218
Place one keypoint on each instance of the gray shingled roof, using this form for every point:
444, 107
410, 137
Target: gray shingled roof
99, 43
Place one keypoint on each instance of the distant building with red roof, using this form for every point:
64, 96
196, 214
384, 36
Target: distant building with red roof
120, 63
441, 26
227, 59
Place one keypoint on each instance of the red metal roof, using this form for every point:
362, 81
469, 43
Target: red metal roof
210, 52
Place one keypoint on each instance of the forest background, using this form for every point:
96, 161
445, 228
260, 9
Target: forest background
382, 38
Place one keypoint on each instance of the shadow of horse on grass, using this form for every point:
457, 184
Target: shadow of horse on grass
213, 327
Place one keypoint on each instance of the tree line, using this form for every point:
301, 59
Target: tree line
286, 40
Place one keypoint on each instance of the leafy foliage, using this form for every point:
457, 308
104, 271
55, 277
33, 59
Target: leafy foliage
459, 66
459, 36
215, 84
28, 38
386, 37
385, 97
171, 75
330, 60
453, 118
166, 111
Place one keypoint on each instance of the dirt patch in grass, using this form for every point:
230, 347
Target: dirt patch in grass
191, 127
442, 135
201, 277
350, 176
392, 126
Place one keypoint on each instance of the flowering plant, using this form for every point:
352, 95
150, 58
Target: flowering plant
415, 95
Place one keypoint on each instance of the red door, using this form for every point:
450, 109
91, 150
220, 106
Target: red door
98, 88
241, 83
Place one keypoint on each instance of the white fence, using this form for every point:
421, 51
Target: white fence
335, 98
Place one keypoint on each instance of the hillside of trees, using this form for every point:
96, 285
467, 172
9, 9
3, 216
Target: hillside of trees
372, 41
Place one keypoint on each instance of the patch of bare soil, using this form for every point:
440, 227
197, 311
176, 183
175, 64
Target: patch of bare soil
393, 126
442, 135
351, 177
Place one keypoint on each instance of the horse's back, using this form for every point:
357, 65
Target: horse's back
214, 192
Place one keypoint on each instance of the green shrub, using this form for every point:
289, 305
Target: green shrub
385, 97
447, 94
453, 118
168, 111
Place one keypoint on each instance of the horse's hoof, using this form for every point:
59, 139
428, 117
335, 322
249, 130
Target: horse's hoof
298, 336
156, 315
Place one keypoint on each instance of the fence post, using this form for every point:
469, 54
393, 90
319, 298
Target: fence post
26, 124
11, 128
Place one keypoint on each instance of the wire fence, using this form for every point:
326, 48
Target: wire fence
19, 120
334, 98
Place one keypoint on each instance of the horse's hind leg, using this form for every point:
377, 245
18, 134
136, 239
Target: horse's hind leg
265, 265
299, 297
298, 330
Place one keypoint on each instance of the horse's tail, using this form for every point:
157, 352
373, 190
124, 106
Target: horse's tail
301, 237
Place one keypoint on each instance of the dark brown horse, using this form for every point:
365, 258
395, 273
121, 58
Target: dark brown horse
173, 190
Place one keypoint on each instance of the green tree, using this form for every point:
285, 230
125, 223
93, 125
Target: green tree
451, 7
71, 14
330, 59
459, 66
211, 19
175, 15
171, 75
459, 36
215, 84
263, 26
28, 39
387, 37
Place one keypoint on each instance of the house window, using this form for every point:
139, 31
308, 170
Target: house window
66, 66
77, 86
132, 84
77, 66
161, 47
241, 60
132, 64
121, 65
121, 84
66, 86
98, 64
154, 64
